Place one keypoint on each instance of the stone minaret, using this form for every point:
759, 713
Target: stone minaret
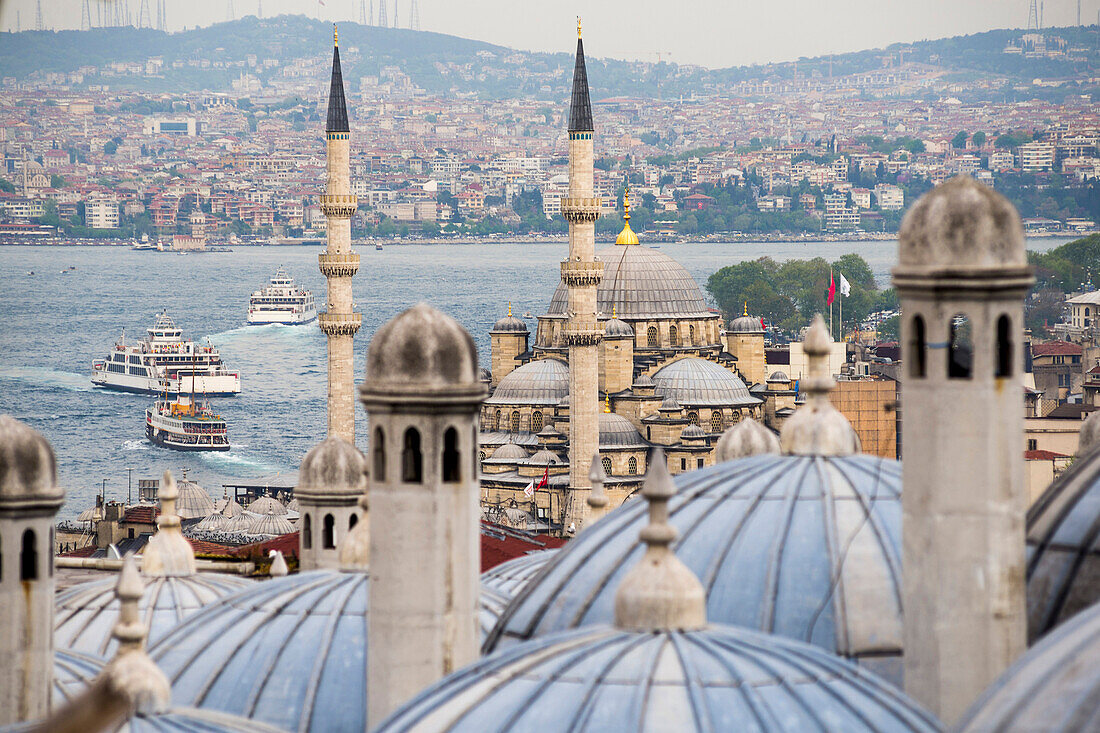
962, 276
581, 273
423, 394
338, 263
29, 499
331, 482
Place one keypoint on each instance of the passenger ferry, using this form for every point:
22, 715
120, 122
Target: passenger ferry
165, 363
186, 424
281, 302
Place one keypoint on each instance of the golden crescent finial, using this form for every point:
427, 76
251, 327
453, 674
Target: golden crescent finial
578, 26
607, 403
614, 311
746, 312
509, 308
335, 36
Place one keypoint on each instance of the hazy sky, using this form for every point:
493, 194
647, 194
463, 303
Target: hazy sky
708, 32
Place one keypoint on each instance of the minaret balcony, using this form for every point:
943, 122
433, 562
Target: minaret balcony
574, 273
339, 324
338, 265
580, 208
582, 331
341, 205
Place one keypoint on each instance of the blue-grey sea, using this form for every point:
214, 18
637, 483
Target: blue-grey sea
52, 325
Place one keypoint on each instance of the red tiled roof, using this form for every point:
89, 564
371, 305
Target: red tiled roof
500, 544
1056, 348
202, 547
286, 544
80, 552
141, 514
1042, 455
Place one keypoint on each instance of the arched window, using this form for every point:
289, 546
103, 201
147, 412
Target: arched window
328, 533
651, 337
1004, 347
716, 423
496, 423
632, 466
672, 334
536, 421
1086, 310
481, 455
515, 421
451, 461
412, 462
352, 521
961, 356
378, 450
28, 558
691, 334
693, 418
606, 462
307, 532
918, 351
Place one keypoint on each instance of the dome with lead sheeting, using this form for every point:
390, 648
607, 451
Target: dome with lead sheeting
693, 382
540, 382
509, 578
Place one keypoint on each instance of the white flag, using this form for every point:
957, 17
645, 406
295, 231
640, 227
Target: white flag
529, 490
845, 286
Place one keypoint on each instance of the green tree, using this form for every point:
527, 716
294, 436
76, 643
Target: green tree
978, 138
7, 186
57, 181
959, 141
110, 147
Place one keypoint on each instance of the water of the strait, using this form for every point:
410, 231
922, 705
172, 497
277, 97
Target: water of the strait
52, 325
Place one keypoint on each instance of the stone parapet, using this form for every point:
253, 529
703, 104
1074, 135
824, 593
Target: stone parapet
582, 331
341, 205
339, 324
338, 265
581, 273
580, 209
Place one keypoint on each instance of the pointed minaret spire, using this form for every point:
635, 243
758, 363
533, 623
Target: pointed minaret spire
580, 109
337, 108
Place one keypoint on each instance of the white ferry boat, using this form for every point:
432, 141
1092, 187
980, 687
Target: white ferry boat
163, 363
186, 424
281, 302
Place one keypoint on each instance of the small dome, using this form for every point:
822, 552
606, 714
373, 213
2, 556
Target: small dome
614, 328
618, 432
332, 466
509, 578
716, 678
746, 324
266, 505
799, 546
28, 471
1050, 688
272, 524
540, 382
215, 522
692, 432
644, 380
746, 438
778, 376
509, 452
961, 224
485, 375
421, 346
242, 523
693, 382
669, 404
510, 324
231, 508
85, 615
544, 458
193, 501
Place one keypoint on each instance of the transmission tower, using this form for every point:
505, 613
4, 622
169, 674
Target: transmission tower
1033, 16
394, 13
38, 15
85, 16
382, 13
414, 16
145, 19
259, 8
229, 15
162, 16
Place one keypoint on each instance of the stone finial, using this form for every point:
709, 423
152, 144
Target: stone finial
1090, 434
746, 438
817, 428
168, 552
660, 593
132, 674
278, 567
28, 471
597, 498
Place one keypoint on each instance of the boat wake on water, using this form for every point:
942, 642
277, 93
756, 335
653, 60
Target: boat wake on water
278, 330
136, 445
48, 378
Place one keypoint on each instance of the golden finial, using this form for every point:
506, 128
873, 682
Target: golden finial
335, 36
614, 313
509, 309
607, 403
626, 203
746, 308
578, 26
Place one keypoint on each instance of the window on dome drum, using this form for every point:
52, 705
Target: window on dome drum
450, 456
496, 423
28, 557
352, 521
691, 334
606, 465
412, 461
536, 421
672, 334
700, 462
481, 455
307, 532
515, 421
693, 418
378, 450
716, 423
917, 347
651, 337
1004, 347
683, 464
960, 358
632, 466
328, 533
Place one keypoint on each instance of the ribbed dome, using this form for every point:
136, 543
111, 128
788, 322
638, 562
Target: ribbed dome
266, 505
489, 609
1052, 687
86, 614
193, 501
697, 382
242, 523
1063, 569
778, 376
72, 671
290, 652
693, 431
509, 324
272, 524
714, 679
800, 546
544, 458
639, 282
540, 382
509, 452
215, 522
615, 328
510, 577
231, 508
618, 432
746, 324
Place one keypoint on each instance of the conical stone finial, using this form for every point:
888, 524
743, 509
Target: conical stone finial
278, 567
660, 593
168, 552
132, 674
746, 438
817, 428
597, 498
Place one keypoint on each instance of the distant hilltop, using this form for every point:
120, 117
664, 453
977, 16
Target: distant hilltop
212, 58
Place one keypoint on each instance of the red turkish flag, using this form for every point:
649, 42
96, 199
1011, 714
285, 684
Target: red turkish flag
545, 479
832, 289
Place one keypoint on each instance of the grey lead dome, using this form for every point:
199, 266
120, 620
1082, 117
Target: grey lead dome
334, 463
423, 347
693, 381
540, 382
28, 471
